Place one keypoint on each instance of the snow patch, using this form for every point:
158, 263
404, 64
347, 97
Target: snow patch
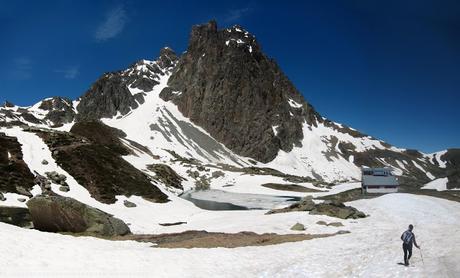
294, 104
275, 129
438, 184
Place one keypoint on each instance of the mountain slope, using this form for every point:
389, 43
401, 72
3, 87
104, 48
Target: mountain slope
226, 104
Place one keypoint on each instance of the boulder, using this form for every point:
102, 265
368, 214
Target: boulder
45, 162
16, 216
56, 177
306, 204
129, 204
22, 191
333, 224
64, 214
64, 188
329, 208
2, 198
217, 174
337, 209
298, 227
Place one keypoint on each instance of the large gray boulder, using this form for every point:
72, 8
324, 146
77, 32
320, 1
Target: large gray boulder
64, 214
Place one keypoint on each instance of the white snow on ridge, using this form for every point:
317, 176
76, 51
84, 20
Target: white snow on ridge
294, 104
275, 129
436, 157
401, 165
428, 174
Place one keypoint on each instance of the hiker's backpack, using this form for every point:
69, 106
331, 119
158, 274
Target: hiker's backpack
407, 237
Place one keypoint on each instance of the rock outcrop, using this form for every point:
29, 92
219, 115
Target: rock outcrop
166, 175
329, 208
63, 214
298, 227
111, 93
306, 204
15, 175
452, 158
60, 110
336, 209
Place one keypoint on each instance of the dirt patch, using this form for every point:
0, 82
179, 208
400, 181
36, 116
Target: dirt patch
289, 187
203, 239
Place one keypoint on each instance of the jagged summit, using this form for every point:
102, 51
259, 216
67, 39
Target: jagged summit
167, 58
238, 94
202, 36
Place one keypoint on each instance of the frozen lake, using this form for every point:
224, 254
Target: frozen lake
222, 200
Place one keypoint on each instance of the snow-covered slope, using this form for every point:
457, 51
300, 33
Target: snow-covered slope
372, 249
159, 126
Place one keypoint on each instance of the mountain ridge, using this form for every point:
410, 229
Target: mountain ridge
224, 101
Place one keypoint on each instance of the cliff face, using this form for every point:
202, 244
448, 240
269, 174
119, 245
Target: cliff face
225, 84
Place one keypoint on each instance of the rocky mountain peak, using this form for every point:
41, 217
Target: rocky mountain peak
207, 37
120, 92
56, 103
7, 104
60, 110
238, 94
167, 58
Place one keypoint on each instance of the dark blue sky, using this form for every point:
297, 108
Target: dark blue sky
388, 68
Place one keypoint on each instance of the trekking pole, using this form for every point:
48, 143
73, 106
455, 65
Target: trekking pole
421, 256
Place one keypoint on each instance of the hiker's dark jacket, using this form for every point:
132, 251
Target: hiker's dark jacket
408, 238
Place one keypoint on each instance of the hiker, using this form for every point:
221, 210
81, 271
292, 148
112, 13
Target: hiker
408, 238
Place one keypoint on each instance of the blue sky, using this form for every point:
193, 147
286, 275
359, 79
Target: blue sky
388, 68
